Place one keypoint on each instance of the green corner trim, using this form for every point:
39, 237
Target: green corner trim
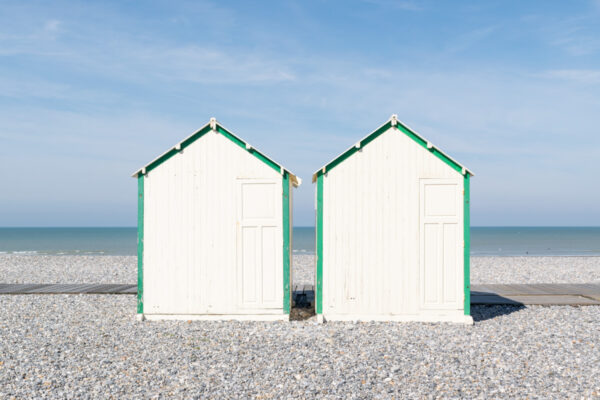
140, 245
404, 129
467, 239
319, 286
286, 243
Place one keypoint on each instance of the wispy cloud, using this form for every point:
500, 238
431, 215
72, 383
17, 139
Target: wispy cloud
587, 76
396, 4
576, 35
471, 38
211, 66
96, 97
52, 25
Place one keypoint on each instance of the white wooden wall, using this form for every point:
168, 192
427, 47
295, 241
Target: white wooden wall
372, 225
192, 228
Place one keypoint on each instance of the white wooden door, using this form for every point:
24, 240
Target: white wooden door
260, 237
441, 244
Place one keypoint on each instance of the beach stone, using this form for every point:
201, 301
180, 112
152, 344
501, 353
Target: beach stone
91, 346
123, 269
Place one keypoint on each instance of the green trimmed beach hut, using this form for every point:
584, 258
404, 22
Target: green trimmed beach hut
393, 231
214, 231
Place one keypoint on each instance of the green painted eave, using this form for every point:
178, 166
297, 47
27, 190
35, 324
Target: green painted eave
178, 148
392, 122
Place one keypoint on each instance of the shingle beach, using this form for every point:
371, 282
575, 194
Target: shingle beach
90, 346
123, 269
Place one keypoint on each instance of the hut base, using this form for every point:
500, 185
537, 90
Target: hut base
216, 317
453, 318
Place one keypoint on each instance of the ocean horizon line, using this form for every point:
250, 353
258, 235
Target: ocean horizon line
122, 240
295, 226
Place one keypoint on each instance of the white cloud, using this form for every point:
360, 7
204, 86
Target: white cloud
52, 25
587, 76
211, 66
397, 4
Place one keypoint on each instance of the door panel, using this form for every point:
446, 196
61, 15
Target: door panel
431, 263
270, 271
249, 265
441, 239
260, 276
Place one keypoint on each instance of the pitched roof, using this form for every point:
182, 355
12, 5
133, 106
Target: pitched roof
400, 126
216, 126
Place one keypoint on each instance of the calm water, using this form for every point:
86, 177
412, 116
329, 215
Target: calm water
486, 241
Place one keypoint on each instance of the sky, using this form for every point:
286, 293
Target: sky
91, 91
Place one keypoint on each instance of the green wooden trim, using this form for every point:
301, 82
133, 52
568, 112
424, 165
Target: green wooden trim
231, 137
467, 239
201, 133
252, 151
140, 245
319, 293
353, 149
404, 129
286, 243
173, 152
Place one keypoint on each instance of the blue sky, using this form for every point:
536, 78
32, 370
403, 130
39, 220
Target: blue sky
90, 91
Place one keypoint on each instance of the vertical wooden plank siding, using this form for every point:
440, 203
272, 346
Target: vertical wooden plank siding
319, 296
467, 238
286, 243
140, 245
192, 234
369, 238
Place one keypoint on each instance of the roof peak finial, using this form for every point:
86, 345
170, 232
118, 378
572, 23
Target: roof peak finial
213, 123
394, 119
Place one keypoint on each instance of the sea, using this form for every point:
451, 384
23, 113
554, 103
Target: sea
485, 241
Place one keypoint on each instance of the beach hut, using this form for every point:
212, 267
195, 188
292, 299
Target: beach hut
214, 231
393, 231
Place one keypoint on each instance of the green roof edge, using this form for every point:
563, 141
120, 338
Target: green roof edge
408, 132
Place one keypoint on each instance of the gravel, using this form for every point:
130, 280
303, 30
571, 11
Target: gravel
90, 346
123, 269
303, 270
67, 269
535, 269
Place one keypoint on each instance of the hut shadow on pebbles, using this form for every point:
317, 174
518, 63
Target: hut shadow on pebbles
490, 311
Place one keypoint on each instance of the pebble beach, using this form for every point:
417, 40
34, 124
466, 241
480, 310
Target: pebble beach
123, 269
91, 346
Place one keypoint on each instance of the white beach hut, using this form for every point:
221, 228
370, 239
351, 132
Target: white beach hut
214, 231
393, 231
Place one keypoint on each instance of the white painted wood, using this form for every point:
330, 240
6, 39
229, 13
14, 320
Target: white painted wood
441, 266
191, 229
372, 233
453, 317
394, 122
216, 317
213, 125
260, 270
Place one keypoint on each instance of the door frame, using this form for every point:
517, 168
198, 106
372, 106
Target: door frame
441, 220
260, 222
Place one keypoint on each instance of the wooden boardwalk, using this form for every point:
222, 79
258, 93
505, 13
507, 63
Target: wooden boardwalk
540, 293
66, 288
304, 295
518, 294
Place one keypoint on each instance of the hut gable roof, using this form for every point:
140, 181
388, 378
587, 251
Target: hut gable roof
216, 126
393, 122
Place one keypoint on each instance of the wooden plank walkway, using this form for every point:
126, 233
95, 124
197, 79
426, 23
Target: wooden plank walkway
304, 295
67, 288
576, 294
